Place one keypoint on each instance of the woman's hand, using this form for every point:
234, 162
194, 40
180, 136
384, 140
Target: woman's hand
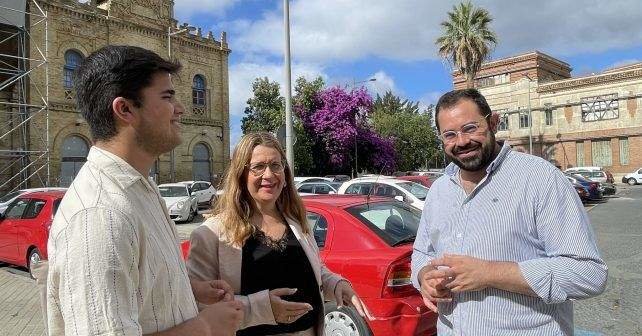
345, 295
213, 291
287, 311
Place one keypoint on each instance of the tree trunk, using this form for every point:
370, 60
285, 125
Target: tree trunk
470, 81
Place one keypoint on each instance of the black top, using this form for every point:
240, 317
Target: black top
264, 267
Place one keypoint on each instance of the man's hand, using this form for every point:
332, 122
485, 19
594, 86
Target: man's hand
287, 311
464, 273
344, 294
222, 318
433, 286
213, 291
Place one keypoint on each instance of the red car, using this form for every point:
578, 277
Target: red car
369, 242
24, 227
422, 179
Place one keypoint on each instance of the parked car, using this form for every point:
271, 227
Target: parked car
24, 227
181, 204
406, 191
300, 179
592, 173
633, 178
377, 264
319, 188
581, 192
8, 198
338, 178
424, 180
204, 192
591, 187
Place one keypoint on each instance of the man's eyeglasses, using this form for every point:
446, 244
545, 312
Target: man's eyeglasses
258, 169
467, 130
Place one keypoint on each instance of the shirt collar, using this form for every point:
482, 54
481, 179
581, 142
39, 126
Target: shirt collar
452, 169
115, 167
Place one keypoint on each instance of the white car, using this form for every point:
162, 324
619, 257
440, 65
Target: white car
633, 178
406, 191
180, 203
319, 188
204, 192
8, 198
299, 179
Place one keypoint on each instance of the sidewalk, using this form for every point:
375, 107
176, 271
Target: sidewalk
19, 304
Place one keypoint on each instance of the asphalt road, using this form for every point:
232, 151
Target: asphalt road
618, 228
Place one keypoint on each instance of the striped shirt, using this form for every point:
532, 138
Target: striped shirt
524, 211
115, 266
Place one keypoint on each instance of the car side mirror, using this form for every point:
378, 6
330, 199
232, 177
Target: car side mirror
399, 198
331, 192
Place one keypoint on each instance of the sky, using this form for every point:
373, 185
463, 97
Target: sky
348, 41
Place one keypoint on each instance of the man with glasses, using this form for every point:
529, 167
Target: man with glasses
498, 255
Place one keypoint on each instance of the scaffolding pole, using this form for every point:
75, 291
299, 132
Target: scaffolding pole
24, 102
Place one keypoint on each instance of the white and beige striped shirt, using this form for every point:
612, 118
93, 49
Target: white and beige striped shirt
115, 266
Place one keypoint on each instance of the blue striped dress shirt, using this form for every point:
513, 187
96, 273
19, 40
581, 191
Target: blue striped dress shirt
524, 211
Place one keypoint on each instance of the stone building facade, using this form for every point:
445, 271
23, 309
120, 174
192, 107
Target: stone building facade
593, 120
76, 29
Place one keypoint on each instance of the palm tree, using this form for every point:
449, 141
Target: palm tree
467, 39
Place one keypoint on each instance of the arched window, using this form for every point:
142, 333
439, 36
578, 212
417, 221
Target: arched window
198, 91
201, 167
73, 155
72, 61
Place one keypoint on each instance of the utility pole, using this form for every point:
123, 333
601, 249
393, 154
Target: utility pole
289, 147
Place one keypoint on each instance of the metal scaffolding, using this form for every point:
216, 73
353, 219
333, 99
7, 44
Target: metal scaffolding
24, 96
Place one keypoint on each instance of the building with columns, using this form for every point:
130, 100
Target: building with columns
73, 31
593, 120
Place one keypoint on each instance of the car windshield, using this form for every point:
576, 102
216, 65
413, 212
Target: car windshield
394, 222
336, 185
581, 178
416, 189
8, 197
173, 191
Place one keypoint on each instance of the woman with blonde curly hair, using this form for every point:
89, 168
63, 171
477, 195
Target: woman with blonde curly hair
259, 242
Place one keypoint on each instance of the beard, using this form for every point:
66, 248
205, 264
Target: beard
476, 162
154, 140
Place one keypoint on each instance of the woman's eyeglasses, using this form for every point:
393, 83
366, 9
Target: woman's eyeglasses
258, 169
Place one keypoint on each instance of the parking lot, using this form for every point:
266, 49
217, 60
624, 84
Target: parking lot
617, 224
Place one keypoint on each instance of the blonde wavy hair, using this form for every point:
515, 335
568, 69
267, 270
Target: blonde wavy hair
235, 207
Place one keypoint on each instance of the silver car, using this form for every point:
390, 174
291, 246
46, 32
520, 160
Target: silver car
181, 203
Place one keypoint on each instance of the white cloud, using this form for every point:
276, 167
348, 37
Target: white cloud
383, 84
183, 9
429, 98
325, 30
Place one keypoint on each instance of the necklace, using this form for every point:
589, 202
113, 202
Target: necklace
275, 244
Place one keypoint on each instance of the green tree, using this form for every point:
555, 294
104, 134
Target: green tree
467, 39
414, 136
265, 110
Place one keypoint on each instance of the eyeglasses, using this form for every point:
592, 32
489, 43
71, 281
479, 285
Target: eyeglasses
258, 169
467, 130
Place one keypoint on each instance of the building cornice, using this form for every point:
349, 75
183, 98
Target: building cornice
92, 13
611, 77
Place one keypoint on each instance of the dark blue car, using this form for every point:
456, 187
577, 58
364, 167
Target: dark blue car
592, 188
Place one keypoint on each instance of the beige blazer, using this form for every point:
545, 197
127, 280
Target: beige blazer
213, 257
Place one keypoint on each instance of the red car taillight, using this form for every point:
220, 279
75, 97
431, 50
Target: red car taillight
397, 283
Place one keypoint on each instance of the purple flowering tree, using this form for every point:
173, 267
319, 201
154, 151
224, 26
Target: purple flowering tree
337, 120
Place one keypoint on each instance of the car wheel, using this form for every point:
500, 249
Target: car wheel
631, 181
344, 321
192, 214
33, 258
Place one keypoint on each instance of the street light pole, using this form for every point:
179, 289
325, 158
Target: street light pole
289, 146
356, 166
172, 156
